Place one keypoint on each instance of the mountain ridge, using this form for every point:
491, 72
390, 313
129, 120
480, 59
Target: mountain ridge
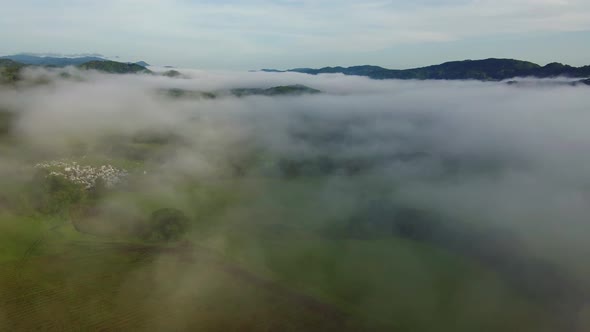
10, 70
491, 69
57, 61
28, 59
114, 67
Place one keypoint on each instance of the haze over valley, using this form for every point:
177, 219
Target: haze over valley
381, 201
297, 166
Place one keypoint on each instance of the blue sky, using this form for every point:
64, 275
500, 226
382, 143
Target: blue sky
233, 34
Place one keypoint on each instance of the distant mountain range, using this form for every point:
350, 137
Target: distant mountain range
36, 60
49, 61
10, 73
485, 70
10, 69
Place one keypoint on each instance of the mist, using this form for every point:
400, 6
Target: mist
490, 172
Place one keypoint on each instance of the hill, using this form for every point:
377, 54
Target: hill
9, 70
114, 67
485, 70
296, 89
50, 61
286, 90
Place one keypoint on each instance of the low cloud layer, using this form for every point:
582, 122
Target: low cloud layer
488, 152
488, 157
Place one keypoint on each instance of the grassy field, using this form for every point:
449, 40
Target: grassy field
118, 287
263, 281
396, 283
60, 279
255, 257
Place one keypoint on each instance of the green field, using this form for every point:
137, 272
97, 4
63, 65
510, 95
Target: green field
248, 249
56, 278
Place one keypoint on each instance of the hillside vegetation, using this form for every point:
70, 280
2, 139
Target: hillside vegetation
9, 71
114, 67
488, 69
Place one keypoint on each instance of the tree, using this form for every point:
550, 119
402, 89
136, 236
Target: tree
54, 194
167, 225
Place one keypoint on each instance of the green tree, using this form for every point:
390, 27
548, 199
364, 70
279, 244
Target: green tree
167, 225
54, 194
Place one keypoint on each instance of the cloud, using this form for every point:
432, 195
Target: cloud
498, 166
506, 144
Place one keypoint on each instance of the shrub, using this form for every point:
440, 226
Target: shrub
53, 194
166, 225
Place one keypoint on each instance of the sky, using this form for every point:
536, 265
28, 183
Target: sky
242, 35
